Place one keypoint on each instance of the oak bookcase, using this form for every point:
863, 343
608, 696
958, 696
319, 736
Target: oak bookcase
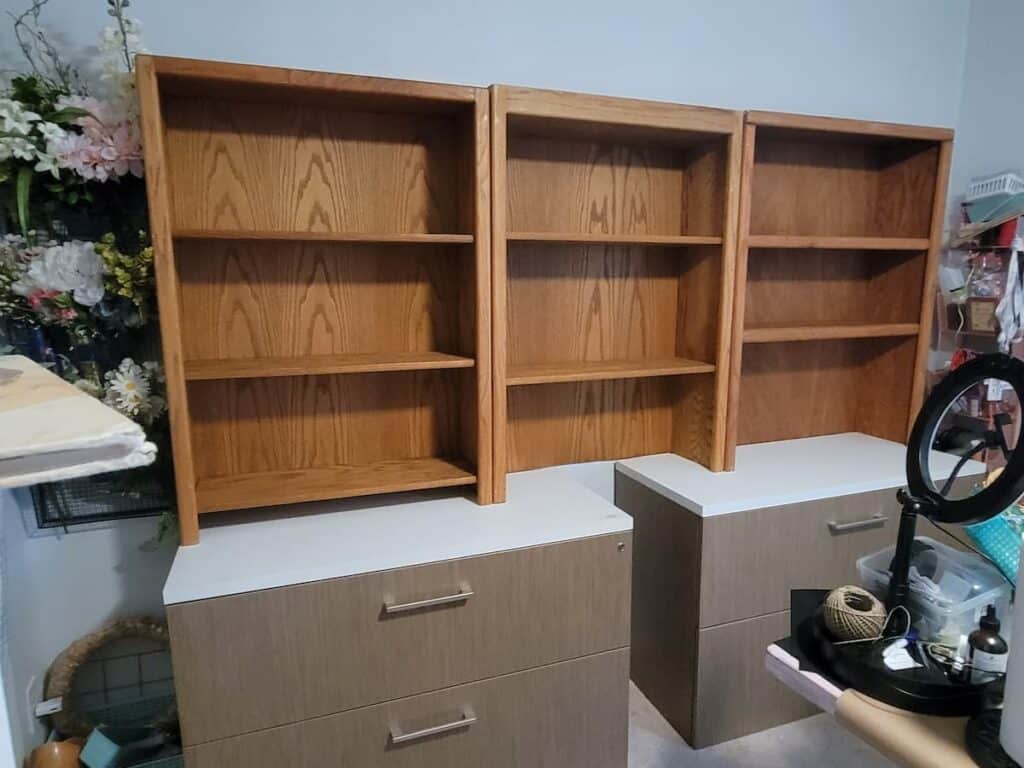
839, 234
323, 265
613, 237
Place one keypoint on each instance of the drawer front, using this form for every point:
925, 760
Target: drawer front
248, 662
751, 560
569, 715
736, 695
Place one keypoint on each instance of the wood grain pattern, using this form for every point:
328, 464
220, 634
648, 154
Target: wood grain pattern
809, 188
842, 218
829, 242
550, 373
611, 111
800, 389
665, 605
253, 166
245, 426
551, 424
191, 77
736, 695
749, 143
769, 334
499, 289
598, 238
834, 287
329, 237
477, 437
319, 217
268, 658
365, 362
270, 488
576, 303
571, 715
720, 455
168, 297
255, 299
930, 281
585, 199
860, 128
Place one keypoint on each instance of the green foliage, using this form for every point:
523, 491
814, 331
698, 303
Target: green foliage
129, 275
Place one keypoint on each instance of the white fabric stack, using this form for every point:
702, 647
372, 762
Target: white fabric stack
50, 430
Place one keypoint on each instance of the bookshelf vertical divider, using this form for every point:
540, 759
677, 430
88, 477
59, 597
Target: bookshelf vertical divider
323, 274
614, 224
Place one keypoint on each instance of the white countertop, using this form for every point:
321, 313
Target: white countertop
785, 472
276, 547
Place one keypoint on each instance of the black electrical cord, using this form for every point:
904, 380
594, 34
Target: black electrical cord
982, 445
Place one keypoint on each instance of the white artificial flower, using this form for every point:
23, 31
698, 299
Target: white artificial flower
50, 131
127, 388
73, 267
47, 163
155, 371
16, 146
16, 119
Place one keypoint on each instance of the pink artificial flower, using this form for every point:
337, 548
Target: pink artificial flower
109, 146
67, 314
36, 299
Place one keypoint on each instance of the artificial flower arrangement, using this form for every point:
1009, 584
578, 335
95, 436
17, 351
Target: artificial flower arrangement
76, 266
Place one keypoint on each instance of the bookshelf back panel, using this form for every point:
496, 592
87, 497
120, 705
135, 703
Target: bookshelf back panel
243, 299
801, 389
238, 165
558, 184
591, 302
553, 424
809, 287
259, 425
835, 187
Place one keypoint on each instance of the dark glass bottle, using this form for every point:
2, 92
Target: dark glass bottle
987, 650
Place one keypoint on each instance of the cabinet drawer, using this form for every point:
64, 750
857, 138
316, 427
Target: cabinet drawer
257, 660
751, 560
569, 715
736, 695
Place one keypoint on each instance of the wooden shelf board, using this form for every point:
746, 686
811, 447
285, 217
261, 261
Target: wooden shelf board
824, 332
218, 494
550, 373
333, 237
602, 239
821, 242
313, 365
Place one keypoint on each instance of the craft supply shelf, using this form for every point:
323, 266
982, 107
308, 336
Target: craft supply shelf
323, 265
614, 227
840, 227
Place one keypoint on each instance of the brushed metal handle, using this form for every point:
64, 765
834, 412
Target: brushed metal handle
875, 521
398, 736
391, 607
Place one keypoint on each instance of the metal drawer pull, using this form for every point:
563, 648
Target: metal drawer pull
465, 592
876, 521
398, 736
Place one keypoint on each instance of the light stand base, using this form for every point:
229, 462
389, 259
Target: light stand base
983, 741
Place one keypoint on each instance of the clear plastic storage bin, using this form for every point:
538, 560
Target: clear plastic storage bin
949, 589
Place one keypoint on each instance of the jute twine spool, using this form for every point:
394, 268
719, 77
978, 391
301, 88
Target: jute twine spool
852, 613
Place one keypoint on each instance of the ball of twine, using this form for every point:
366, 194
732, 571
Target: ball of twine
852, 613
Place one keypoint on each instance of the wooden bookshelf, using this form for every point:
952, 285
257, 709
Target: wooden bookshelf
323, 267
839, 234
613, 234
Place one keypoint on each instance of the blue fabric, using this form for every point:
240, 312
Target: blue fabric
1000, 541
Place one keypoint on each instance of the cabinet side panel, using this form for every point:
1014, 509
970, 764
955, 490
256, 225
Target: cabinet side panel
167, 288
666, 590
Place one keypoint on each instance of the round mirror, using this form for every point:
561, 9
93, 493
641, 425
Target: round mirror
969, 425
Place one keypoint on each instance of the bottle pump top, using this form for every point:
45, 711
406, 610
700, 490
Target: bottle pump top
989, 621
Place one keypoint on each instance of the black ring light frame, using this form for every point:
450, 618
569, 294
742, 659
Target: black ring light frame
923, 498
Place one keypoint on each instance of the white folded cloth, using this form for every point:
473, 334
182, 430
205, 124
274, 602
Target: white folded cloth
50, 430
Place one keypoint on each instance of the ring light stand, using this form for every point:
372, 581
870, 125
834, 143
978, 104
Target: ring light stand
927, 689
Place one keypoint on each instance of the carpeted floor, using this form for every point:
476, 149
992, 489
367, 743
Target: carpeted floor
811, 743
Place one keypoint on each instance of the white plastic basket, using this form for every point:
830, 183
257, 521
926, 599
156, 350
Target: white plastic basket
1006, 183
